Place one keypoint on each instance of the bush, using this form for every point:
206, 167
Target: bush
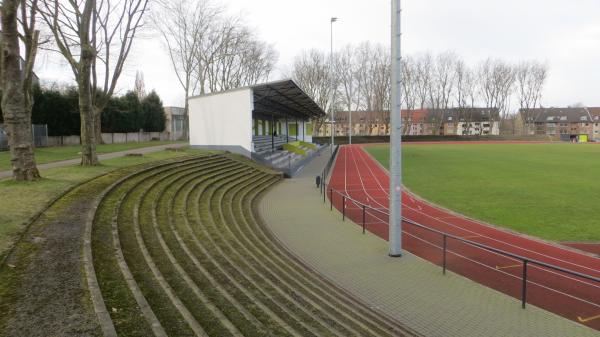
154, 113
59, 109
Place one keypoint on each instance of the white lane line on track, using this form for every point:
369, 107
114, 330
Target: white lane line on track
509, 258
485, 236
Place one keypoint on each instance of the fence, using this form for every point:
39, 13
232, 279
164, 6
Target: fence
569, 293
39, 136
111, 138
433, 138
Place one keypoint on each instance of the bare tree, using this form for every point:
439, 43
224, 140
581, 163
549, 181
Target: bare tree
441, 85
465, 93
311, 73
409, 90
381, 78
237, 57
95, 37
184, 26
530, 79
210, 51
16, 83
423, 74
374, 76
496, 84
347, 73
139, 87
115, 26
70, 24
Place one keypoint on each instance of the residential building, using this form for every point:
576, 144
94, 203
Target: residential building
418, 122
579, 123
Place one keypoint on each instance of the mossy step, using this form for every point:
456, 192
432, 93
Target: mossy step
125, 312
328, 312
305, 309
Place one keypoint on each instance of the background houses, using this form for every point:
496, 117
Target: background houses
420, 122
578, 123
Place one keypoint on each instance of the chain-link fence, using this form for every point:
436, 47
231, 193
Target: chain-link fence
39, 136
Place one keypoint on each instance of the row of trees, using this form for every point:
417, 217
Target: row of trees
358, 78
209, 50
94, 37
58, 107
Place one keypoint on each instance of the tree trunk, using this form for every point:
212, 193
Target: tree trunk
86, 107
186, 120
88, 131
15, 105
98, 124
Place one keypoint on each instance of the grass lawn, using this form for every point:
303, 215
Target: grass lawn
50, 154
546, 190
21, 200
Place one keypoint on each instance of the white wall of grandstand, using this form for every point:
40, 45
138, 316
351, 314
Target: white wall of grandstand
462, 122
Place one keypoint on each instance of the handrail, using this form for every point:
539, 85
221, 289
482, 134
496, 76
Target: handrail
326, 170
445, 235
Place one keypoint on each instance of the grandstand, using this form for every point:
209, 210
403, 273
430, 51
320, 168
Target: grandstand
177, 250
267, 122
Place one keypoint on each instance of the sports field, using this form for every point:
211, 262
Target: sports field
545, 190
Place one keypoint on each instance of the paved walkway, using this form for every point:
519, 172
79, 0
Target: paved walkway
76, 161
409, 289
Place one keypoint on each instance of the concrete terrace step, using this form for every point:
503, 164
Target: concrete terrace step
178, 251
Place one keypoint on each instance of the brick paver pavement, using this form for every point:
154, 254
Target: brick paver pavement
409, 289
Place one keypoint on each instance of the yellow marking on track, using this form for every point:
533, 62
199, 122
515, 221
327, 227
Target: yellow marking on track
585, 320
506, 267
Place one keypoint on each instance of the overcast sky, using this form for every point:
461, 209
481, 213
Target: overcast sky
565, 34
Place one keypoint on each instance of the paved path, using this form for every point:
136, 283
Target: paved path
409, 289
360, 176
76, 161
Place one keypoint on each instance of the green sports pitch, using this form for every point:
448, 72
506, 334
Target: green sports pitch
551, 191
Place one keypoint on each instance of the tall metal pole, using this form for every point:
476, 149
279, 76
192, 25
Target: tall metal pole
395, 221
333, 19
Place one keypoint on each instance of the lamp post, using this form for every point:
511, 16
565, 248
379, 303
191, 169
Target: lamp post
332, 82
395, 220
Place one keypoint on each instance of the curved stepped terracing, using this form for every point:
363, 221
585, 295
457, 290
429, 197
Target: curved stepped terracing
178, 250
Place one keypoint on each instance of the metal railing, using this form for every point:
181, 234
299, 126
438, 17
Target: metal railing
326, 170
525, 261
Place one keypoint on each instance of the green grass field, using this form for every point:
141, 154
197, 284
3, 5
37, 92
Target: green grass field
51, 154
546, 190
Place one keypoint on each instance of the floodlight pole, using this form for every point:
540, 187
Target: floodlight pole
395, 220
332, 82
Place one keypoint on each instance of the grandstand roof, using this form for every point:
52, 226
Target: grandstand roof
284, 98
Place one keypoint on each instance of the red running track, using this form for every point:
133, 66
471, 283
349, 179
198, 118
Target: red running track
357, 175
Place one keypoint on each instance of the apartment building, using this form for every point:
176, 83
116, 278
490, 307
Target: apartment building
418, 122
575, 124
